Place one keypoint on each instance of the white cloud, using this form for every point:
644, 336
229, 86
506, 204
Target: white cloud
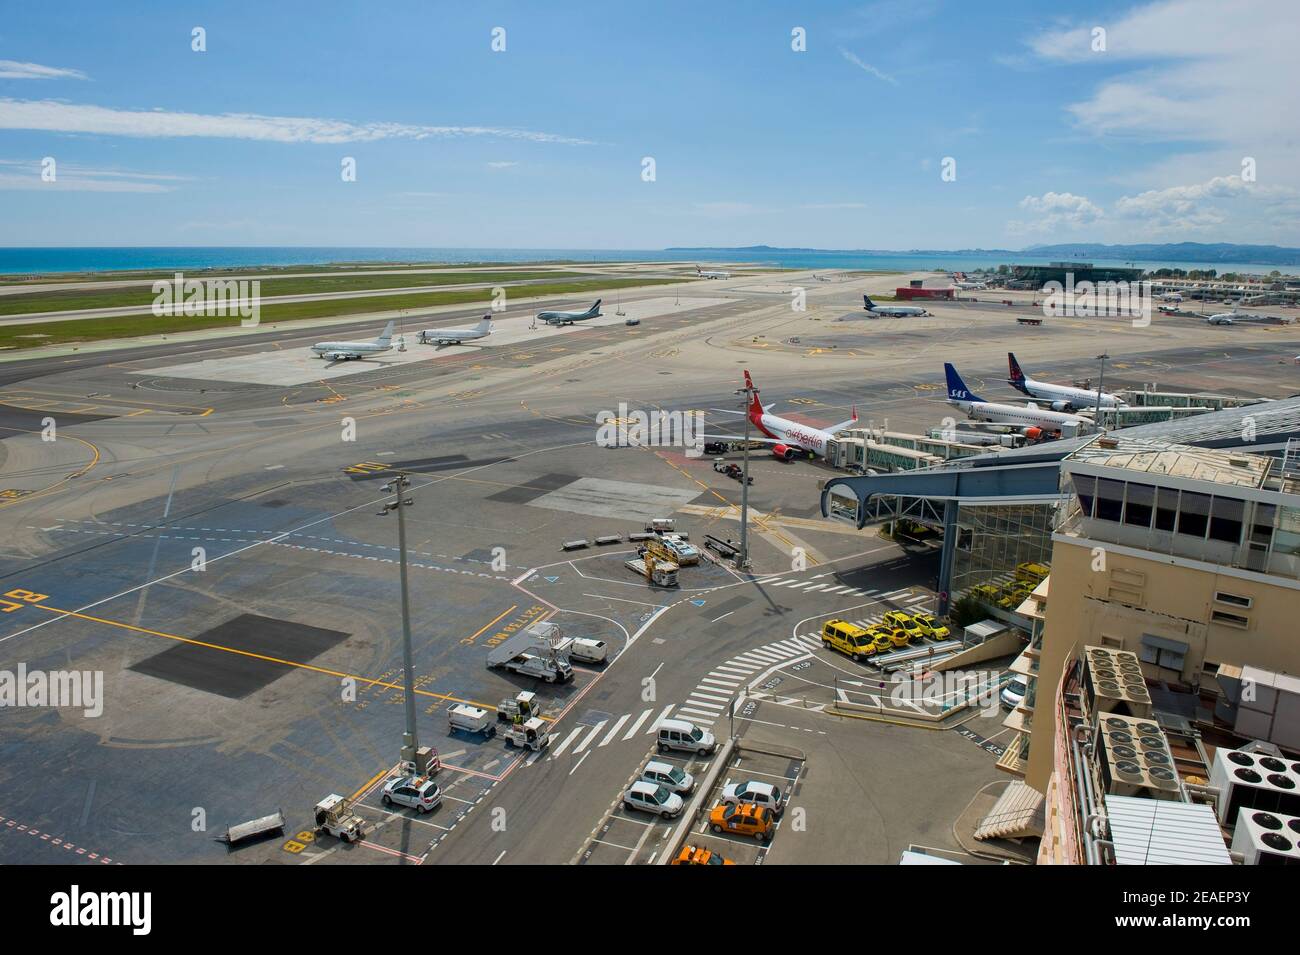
867, 67
1201, 71
1055, 210
15, 70
833, 205
55, 116
1208, 205
19, 174
501, 164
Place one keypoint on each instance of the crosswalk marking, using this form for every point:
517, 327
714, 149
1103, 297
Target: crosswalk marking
698, 716
727, 684
742, 669
661, 717
711, 695
707, 704
589, 737
614, 732
637, 725
557, 750
837, 589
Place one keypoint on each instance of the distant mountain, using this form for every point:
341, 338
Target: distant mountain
1216, 253
1211, 252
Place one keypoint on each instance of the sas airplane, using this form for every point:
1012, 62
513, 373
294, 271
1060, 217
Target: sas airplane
568, 318
1029, 420
787, 438
342, 351
893, 311
1060, 397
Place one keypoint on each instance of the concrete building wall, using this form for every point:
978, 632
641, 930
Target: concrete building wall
1137, 595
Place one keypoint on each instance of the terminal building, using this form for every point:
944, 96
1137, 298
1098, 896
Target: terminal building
1160, 719
1036, 276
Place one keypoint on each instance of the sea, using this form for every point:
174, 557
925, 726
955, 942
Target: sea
41, 261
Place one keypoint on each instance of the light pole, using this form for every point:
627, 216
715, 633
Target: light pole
748, 392
1101, 380
410, 742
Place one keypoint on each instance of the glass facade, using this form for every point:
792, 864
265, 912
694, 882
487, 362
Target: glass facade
996, 541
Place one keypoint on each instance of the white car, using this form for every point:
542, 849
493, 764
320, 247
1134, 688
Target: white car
418, 792
669, 776
652, 797
1014, 692
761, 794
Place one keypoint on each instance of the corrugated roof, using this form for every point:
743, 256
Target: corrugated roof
1017, 813
1164, 832
1119, 450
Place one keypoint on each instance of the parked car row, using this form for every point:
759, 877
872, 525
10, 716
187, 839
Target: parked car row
662, 787
895, 631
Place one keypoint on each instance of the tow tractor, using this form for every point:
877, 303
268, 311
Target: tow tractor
519, 710
530, 733
334, 815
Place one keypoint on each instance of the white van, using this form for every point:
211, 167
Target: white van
669, 776
683, 735
585, 650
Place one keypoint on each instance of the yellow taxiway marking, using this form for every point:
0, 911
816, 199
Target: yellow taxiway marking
258, 656
475, 635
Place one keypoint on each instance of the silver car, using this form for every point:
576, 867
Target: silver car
418, 792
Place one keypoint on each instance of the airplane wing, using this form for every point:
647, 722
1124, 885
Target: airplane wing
739, 437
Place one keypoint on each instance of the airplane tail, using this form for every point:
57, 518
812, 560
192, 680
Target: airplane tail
386, 336
1017, 378
836, 429
595, 309
957, 390
755, 406
485, 324
868, 304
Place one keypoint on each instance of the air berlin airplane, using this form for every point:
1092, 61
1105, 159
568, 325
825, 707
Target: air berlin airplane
786, 437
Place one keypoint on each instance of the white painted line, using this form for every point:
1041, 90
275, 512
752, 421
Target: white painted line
723, 669
579, 762
711, 695
614, 732
637, 725
814, 587
707, 704
836, 589
698, 716
556, 751
661, 717
727, 614
726, 684
589, 737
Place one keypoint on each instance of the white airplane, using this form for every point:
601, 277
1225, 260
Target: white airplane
970, 286
1060, 397
712, 275
893, 311
342, 351
1029, 420
786, 437
454, 336
1171, 296
568, 318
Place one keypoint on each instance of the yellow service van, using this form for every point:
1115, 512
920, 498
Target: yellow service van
847, 638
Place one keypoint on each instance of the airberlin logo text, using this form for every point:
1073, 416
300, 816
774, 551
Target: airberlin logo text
213, 298
657, 429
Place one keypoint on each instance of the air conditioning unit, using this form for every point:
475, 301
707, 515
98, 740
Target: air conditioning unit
1266, 838
1134, 758
1255, 781
1113, 683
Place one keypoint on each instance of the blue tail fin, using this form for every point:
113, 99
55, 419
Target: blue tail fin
867, 303
1017, 378
957, 390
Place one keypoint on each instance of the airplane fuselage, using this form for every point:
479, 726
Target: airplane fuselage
342, 351
1073, 397
1021, 416
792, 433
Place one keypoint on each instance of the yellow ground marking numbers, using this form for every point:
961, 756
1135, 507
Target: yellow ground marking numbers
804, 401
469, 641
18, 598
9, 493
525, 619
366, 467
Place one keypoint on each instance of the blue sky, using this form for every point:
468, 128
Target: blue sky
541, 146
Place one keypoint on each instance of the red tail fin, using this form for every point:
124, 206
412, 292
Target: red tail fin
755, 406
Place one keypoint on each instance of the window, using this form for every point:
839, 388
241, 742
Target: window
1227, 598
1162, 652
1225, 519
1110, 499
1166, 509
1139, 505
1261, 531
1085, 486
1193, 514
1230, 619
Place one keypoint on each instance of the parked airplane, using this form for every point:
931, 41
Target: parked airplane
786, 437
893, 311
1029, 420
959, 279
454, 336
712, 275
568, 318
1172, 296
342, 351
1060, 397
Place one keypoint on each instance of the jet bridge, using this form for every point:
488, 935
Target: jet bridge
936, 495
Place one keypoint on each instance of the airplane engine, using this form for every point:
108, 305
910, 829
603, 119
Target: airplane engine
784, 452
1060, 406
1033, 434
